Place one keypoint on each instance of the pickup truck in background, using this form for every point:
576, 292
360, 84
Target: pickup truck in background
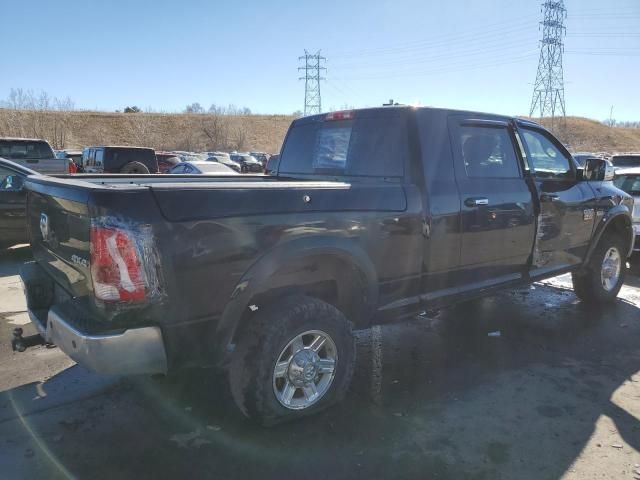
372, 216
34, 154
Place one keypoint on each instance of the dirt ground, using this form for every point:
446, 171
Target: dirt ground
555, 395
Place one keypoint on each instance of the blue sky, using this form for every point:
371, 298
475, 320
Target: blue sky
460, 54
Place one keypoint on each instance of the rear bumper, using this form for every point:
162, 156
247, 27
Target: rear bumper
134, 351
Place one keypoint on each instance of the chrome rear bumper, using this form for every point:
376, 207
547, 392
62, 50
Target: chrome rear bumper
134, 351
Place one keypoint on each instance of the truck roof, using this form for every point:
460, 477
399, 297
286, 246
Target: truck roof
522, 121
120, 146
23, 139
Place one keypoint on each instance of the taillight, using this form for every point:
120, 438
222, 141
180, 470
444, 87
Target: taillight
73, 168
116, 270
344, 115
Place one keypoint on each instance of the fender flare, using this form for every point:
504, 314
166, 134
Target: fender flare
602, 226
255, 280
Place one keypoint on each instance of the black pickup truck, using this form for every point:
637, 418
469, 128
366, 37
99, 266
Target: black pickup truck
373, 215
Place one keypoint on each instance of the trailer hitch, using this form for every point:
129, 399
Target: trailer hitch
20, 343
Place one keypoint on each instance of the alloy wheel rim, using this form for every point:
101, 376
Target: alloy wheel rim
611, 267
305, 369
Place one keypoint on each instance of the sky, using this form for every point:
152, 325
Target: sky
467, 54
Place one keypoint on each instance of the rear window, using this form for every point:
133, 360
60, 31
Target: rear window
626, 161
17, 149
373, 144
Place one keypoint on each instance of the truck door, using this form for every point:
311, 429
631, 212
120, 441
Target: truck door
566, 206
497, 204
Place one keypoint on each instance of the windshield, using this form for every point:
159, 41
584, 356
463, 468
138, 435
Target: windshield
626, 160
18, 149
628, 183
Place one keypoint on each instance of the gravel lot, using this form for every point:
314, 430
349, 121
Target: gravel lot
555, 395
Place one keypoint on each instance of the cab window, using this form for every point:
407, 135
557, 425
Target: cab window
547, 159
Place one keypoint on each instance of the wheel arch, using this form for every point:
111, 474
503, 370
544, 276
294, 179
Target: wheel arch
335, 270
617, 221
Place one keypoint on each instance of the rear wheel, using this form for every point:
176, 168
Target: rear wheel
604, 275
134, 167
294, 359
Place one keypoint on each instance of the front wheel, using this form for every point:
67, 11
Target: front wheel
294, 359
603, 277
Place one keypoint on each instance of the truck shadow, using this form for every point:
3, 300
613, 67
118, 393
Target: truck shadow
511, 386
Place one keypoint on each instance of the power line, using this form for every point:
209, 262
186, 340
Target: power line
548, 90
312, 68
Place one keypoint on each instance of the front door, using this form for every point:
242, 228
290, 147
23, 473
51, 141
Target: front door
567, 206
497, 204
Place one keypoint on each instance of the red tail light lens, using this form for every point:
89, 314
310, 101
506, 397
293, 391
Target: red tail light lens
73, 168
118, 275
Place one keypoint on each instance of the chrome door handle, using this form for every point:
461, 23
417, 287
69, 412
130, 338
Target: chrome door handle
477, 201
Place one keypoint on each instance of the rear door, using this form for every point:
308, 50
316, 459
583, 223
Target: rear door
567, 206
497, 205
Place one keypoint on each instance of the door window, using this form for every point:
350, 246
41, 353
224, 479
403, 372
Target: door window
545, 157
99, 157
488, 152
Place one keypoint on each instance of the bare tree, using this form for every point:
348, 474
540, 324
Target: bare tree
194, 108
216, 130
239, 137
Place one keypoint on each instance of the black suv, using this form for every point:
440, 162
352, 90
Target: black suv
119, 160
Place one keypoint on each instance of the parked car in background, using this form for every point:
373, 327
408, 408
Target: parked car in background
225, 160
262, 157
166, 161
13, 203
248, 164
116, 159
628, 180
272, 165
202, 168
626, 160
34, 154
74, 157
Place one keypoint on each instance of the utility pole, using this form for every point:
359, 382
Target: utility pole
611, 116
312, 68
548, 91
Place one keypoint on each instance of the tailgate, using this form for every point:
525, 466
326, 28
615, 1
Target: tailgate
59, 227
47, 166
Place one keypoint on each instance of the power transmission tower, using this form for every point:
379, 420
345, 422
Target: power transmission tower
312, 68
548, 91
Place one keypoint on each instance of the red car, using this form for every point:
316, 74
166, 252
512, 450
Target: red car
166, 161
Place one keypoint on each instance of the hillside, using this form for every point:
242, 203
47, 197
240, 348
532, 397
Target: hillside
191, 132
585, 135
194, 132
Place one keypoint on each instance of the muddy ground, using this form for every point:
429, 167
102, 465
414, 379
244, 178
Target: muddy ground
555, 395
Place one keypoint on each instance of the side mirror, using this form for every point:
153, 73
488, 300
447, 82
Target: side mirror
597, 170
